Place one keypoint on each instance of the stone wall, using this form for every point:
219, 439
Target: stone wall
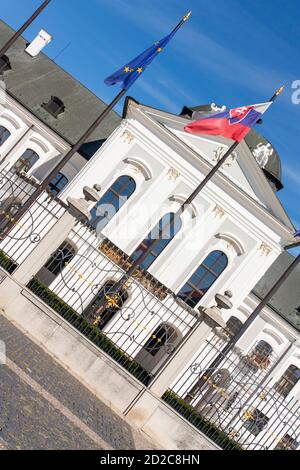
96, 370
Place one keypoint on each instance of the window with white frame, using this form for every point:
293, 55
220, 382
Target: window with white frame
255, 421
4, 135
57, 184
288, 380
260, 356
233, 326
111, 202
203, 278
287, 442
62, 256
164, 231
101, 314
27, 160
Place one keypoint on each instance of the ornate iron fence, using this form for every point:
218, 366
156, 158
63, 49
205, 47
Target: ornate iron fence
16, 245
236, 405
140, 327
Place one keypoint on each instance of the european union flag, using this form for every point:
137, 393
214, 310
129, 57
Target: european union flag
131, 71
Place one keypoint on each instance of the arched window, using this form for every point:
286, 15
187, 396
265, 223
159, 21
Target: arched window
159, 345
4, 134
212, 395
8, 208
100, 314
288, 380
26, 161
233, 326
63, 255
54, 106
287, 442
169, 228
160, 337
112, 201
57, 184
256, 421
203, 278
260, 356
54, 266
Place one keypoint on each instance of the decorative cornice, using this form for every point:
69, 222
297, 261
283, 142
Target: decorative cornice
232, 242
139, 167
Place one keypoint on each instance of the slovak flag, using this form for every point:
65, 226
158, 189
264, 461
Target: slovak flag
233, 124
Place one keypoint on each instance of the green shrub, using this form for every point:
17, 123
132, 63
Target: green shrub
195, 418
6, 263
88, 330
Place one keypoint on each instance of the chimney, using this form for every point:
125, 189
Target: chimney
35, 47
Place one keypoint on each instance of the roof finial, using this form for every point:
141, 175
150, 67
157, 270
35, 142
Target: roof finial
186, 17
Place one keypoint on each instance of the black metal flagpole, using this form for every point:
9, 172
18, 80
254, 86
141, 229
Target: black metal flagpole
119, 284
20, 31
70, 153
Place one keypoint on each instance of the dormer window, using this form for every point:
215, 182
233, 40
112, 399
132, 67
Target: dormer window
55, 106
4, 64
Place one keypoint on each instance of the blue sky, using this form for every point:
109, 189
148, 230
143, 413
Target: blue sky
231, 52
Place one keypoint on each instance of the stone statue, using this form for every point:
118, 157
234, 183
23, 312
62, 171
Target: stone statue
215, 107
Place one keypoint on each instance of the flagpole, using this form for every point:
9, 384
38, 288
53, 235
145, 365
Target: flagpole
61, 164
18, 33
119, 284
185, 18
73, 149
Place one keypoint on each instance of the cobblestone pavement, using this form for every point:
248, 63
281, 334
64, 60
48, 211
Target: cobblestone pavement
42, 406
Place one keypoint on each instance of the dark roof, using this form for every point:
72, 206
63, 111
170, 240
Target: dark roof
49, 79
287, 299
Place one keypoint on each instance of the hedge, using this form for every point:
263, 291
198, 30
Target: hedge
6, 263
89, 330
195, 418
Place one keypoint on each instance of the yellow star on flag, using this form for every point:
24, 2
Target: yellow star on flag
139, 70
127, 69
159, 49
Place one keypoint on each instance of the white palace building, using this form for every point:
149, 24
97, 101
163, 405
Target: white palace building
174, 314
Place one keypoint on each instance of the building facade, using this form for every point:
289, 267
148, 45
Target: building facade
44, 111
72, 250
